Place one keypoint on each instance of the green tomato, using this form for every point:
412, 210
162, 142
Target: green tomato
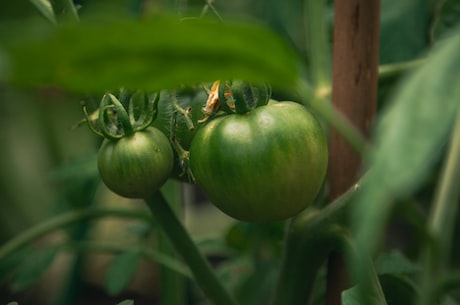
138, 165
265, 165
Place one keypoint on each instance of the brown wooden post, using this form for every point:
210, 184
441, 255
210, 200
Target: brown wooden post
354, 93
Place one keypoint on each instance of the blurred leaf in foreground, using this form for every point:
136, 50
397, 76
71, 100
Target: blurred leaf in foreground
159, 53
410, 137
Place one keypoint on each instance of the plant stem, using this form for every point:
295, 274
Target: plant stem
318, 47
441, 222
63, 220
181, 240
185, 113
300, 263
152, 255
172, 284
392, 70
336, 209
318, 102
309, 230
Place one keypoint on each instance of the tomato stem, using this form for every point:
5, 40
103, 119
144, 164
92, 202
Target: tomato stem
305, 251
323, 107
63, 220
181, 240
182, 154
89, 120
318, 47
389, 71
123, 116
155, 256
184, 112
307, 244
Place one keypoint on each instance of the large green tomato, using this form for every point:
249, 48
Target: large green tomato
265, 165
136, 166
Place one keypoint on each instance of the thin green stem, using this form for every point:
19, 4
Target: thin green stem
181, 240
441, 222
63, 220
184, 112
172, 284
335, 210
300, 265
392, 70
123, 116
323, 107
152, 255
437, 8
311, 229
319, 50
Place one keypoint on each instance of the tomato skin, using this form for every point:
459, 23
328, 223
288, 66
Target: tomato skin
265, 165
136, 166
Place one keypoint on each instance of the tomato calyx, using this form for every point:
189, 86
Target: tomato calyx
122, 116
234, 97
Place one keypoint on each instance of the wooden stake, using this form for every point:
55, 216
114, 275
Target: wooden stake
354, 93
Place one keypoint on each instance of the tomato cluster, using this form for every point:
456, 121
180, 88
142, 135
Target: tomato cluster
255, 160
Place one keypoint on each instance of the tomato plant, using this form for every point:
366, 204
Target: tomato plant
264, 165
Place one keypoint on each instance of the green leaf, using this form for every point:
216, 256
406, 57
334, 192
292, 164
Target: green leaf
398, 290
410, 137
46, 9
394, 263
12, 303
121, 271
158, 53
126, 302
353, 296
33, 267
